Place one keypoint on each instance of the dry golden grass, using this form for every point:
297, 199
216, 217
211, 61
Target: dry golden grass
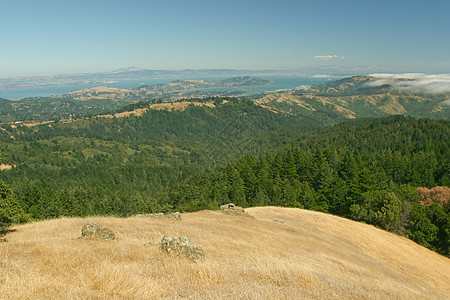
160, 106
309, 256
182, 105
137, 112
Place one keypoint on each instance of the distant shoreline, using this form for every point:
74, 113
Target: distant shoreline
279, 82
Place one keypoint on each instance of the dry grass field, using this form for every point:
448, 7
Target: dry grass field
309, 256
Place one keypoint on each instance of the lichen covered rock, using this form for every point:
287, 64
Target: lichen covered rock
232, 209
94, 230
181, 247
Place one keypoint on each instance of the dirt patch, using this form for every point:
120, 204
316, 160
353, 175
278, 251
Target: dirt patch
6, 167
138, 112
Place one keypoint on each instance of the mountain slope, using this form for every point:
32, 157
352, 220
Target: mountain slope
310, 255
353, 97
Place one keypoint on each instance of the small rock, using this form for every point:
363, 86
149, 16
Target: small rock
182, 247
232, 209
175, 215
97, 231
279, 221
157, 215
230, 206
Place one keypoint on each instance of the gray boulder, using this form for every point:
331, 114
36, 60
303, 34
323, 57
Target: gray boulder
181, 247
157, 215
94, 230
175, 215
232, 209
229, 206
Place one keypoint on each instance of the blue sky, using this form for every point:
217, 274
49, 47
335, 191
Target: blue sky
54, 37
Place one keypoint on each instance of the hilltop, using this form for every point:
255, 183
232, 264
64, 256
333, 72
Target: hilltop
303, 254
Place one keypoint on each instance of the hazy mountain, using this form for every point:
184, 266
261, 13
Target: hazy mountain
125, 74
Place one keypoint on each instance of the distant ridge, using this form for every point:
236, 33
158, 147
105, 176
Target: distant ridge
358, 96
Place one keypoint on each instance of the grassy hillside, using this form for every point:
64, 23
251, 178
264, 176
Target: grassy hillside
351, 98
310, 256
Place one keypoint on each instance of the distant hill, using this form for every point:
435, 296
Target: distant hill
327, 103
353, 97
159, 90
104, 99
124, 74
243, 81
281, 253
182, 85
348, 85
356, 85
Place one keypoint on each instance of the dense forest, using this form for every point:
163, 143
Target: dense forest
199, 158
112, 166
367, 170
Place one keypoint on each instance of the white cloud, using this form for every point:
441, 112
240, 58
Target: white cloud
437, 83
326, 57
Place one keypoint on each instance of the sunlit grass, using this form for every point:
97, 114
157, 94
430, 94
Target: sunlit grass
311, 255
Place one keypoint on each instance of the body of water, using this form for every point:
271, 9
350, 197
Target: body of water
278, 83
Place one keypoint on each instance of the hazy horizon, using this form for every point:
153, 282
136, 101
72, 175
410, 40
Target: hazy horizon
324, 71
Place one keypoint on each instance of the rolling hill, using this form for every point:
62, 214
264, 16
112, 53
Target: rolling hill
354, 97
301, 255
327, 103
102, 99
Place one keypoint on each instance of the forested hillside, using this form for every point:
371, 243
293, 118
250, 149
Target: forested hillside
115, 166
367, 170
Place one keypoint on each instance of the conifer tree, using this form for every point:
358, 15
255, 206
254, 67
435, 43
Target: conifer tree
10, 210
